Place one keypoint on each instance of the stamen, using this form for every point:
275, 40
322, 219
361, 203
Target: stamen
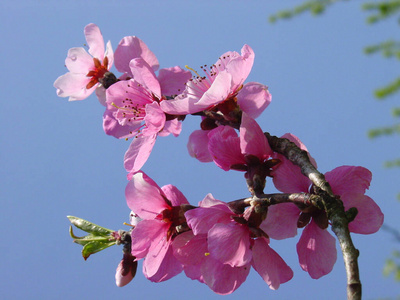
193, 70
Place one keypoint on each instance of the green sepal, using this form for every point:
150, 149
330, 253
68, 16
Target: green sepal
89, 227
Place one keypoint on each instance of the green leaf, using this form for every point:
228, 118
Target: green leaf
392, 163
396, 112
89, 227
94, 247
89, 238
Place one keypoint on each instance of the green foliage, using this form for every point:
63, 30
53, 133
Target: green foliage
392, 266
315, 7
388, 89
98, 239
382, 10
396, 112
388, 130
388, 49
392, 163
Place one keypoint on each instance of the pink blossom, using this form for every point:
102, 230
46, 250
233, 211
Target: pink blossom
191, 250
249, 152
86, 70
223, 81
161, 211
234, 244
316, 247
133, 110
227, 149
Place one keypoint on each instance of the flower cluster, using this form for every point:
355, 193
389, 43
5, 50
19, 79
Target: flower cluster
214, 242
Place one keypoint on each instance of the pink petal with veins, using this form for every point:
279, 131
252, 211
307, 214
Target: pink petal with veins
281, 221
138, 153
174, 195
317, 251
224, 147
254, 98
144, 197
144, 75
230, 244
131, 47
173, 80
271, 267
252, 139
198, 145
95, 41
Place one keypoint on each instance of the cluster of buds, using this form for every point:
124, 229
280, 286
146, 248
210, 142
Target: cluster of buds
214, 242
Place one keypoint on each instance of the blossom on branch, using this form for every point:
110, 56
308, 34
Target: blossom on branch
86, 70
224, 245
316, 247
162, 213
133, 109
249, 152
223, 89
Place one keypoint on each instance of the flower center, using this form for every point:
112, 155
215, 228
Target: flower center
98, 72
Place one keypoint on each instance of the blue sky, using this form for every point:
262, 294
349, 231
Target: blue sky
57, 161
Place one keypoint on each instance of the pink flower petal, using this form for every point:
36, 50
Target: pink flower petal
222, 278
101, 95
230, 244
252, 139
317, 251
349, 179
154, 119
73, 86
271, 267
173, 80
95, 41
240, 66
144, 197
198, 145
78, 61
202, 219
138, 153
145, 234
219, 91
109, 54
286, 176
174, 195
224, 147
180, 105
160, 264
131, 47
253, 99
173, 126
281, 221
210, 201
144, 75
369, 218
112, 127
